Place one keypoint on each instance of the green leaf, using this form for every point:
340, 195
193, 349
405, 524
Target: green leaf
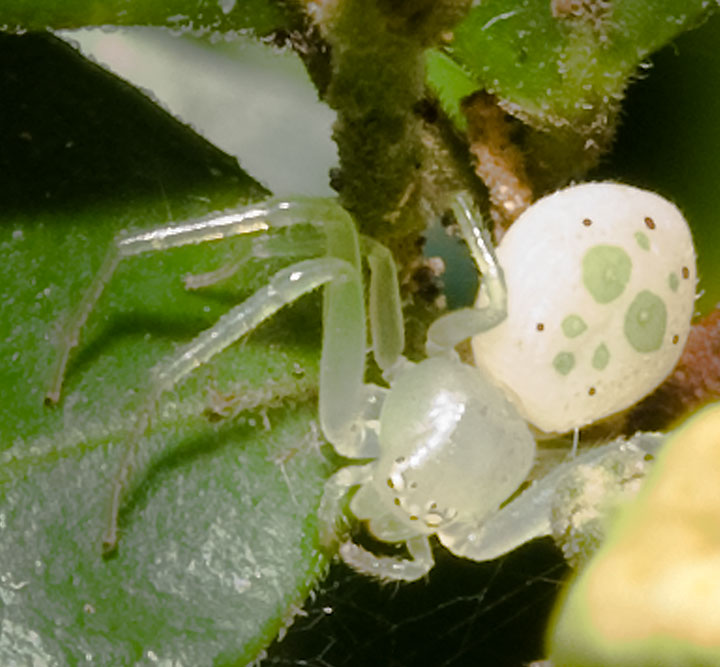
451, 83
261, 16
559, 62
219, 536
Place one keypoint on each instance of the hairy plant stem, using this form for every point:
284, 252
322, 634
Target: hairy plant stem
377, 87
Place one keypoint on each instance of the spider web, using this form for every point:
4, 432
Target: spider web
463, 613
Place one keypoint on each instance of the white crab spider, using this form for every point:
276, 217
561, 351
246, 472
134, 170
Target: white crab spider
446, 445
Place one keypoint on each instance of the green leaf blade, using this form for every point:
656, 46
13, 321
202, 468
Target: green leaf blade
554, 66
219, 542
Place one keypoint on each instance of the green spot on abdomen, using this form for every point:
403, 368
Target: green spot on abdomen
573, 325
642, 240
645, 322
673, 281
601, 357
605, 272
564, 362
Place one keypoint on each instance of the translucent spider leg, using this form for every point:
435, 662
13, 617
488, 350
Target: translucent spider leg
421, 558
359, 438
330, 512
385, 312
262, 217
386, 567
447, 331
352, 426
260, 247
531, 515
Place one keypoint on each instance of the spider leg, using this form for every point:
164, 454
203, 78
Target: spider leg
261, 247
259, 218
286, 286
331, 503
387, 567
449, 330
384, 305
342, 392
524, 519
195, 281
384, 567
349, 409
531, 514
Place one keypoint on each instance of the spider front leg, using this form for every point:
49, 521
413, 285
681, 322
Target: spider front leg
594, 480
